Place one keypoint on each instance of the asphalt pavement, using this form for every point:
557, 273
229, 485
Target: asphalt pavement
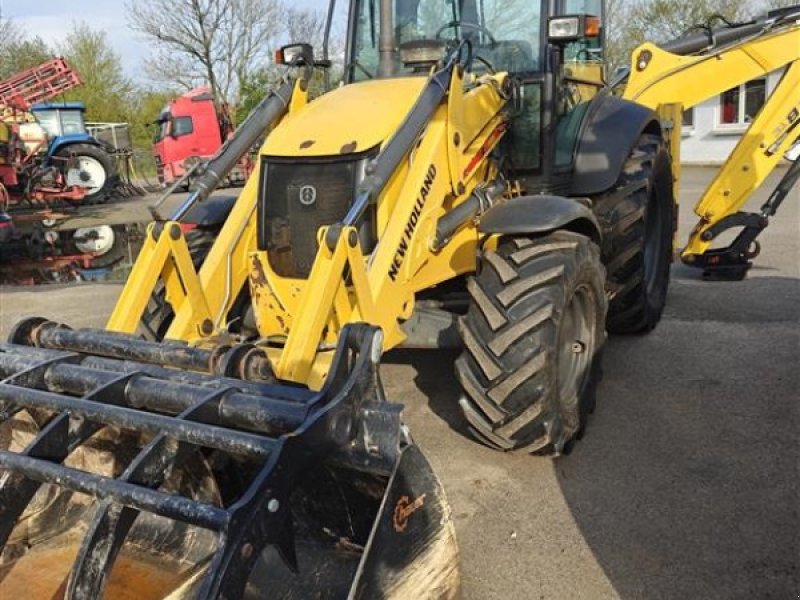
686, 483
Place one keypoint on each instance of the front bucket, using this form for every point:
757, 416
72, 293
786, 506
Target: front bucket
410, 551
133, 470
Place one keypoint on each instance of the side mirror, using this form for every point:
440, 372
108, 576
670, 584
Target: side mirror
296, 55
570, 28
299, 55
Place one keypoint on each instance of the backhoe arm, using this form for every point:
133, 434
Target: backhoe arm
660, 78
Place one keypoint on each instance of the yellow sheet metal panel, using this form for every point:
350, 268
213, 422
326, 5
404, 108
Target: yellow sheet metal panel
350, 119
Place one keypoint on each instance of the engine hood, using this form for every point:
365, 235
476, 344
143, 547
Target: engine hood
347, 120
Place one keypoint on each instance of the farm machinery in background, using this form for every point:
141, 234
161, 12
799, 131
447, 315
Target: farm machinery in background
46, 153
52, 161
190, 130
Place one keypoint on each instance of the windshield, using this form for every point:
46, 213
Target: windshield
72, 122
59, 121
504, 33
48, 119
162, 126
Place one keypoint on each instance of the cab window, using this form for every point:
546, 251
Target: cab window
504, 33
181, 126
72, 122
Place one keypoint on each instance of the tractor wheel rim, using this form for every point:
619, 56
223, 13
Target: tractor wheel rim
576, 346
95, 240
89, 173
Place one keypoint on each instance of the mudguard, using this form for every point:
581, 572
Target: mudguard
612, 128
62, 141
540, 215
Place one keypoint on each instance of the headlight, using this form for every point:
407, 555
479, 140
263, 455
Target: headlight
573, 27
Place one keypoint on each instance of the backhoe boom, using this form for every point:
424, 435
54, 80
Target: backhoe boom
660, 78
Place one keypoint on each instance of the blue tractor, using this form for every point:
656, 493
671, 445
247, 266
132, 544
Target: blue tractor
87, 161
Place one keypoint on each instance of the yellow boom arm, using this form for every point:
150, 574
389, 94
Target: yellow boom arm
660, 78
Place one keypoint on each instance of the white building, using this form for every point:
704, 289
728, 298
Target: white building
712, 129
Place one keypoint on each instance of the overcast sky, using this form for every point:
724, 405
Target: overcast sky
52, 20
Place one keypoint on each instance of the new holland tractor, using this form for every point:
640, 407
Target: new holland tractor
474, 183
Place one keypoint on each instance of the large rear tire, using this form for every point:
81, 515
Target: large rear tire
638, 221
533, 337
92, 168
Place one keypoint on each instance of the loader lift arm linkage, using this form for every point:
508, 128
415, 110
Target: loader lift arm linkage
729, 57
374, 296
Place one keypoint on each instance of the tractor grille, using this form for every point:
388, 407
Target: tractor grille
297, 199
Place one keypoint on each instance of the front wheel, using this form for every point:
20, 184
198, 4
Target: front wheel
532, 342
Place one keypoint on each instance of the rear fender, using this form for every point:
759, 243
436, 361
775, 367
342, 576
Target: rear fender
612, 129
59, 143
540, 215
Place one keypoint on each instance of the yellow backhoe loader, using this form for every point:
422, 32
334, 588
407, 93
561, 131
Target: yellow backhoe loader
474, 182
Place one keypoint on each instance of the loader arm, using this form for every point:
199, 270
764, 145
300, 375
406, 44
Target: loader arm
201, 301
660, 78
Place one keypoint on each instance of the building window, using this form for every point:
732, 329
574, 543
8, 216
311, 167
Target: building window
740, 105
688, 121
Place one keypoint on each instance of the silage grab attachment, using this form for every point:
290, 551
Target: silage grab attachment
132, 469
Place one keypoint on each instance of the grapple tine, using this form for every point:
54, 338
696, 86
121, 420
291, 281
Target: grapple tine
111, 523
243, 406
200, 434
32, 375
159, 503
54, 443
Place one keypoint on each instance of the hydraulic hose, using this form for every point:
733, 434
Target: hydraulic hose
481, 199
268, 111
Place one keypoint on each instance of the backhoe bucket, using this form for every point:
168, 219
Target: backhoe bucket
134, 469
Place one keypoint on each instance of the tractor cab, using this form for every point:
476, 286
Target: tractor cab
556, 60
55, 123
61, 118
64, 124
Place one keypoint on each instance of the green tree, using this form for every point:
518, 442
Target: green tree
20, 54
253, 89
106, 91
633, 22
146, 105
773, 4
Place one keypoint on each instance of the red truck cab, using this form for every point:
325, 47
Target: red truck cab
188, 130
